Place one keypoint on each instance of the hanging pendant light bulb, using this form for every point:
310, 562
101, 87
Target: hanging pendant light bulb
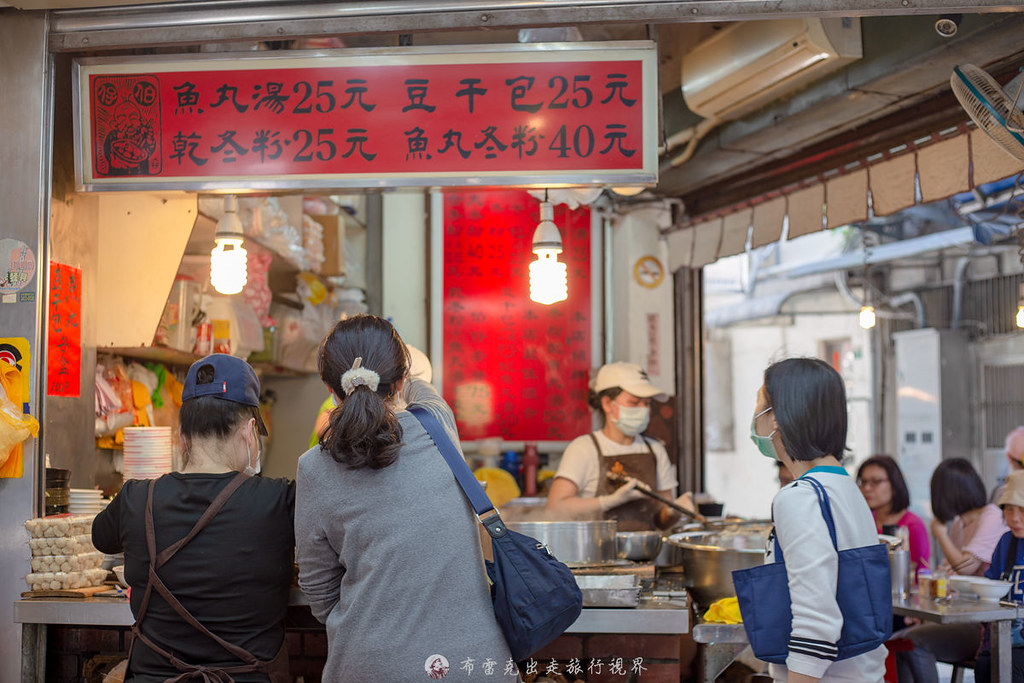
867, 317
1020, 308
549, 281
228, 260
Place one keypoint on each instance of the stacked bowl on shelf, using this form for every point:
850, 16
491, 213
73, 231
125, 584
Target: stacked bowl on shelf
147, 452
86, 502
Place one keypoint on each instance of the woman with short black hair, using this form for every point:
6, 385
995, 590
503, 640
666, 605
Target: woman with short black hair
800, 420
223, 543
968, 530
885, 490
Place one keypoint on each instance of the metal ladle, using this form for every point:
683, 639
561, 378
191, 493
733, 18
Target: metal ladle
648, 491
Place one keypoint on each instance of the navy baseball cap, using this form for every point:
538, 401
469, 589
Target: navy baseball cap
233, 380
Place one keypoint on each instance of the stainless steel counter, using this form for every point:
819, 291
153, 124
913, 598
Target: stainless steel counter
653, 615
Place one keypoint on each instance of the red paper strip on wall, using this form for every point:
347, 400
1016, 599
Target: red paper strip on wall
513, 368
64, 339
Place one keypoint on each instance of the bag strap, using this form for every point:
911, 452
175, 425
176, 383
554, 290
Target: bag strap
826, 509
826, 512
1011, 558
457, 464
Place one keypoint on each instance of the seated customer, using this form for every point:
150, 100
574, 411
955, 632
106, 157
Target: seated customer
967, 530
883, 487
1008, 563
209, 551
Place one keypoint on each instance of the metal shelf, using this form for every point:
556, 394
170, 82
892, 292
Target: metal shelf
157, 354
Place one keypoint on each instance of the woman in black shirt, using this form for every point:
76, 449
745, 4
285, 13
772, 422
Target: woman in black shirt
219, 599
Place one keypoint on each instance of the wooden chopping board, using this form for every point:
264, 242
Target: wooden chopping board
74, 593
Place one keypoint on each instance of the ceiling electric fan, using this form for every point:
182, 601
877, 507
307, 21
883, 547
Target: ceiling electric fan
991, 107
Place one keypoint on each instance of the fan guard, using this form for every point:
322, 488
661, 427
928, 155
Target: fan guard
989, 107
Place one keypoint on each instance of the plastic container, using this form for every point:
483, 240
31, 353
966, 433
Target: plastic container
60, 526
67, 563
52, 581
61, 545
531, 461
924, 582
510, 463
899, 572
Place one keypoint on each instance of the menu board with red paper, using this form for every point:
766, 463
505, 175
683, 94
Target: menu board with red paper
64, 341
513, 368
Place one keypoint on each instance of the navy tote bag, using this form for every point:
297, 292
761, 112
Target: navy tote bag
864, 594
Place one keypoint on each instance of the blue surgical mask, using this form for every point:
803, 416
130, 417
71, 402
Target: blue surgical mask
763, 443
632, 419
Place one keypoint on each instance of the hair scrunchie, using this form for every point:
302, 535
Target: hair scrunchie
358, 376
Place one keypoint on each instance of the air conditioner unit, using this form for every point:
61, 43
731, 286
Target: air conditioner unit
750, 63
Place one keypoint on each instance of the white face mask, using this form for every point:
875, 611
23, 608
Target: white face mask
250, 469
632, 419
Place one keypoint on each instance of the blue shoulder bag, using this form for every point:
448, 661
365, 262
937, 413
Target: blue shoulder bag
535, 596
863, 591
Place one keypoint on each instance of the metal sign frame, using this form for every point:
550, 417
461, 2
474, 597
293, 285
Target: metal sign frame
643, 53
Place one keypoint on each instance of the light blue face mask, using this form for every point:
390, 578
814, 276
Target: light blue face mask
763, 443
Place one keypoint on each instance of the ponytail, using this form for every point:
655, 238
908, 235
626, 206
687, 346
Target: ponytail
363, 430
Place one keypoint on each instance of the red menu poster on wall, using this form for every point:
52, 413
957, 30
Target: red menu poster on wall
64, 341
513, 368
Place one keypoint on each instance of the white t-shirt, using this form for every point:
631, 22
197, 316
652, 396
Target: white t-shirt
812, 567
581, 466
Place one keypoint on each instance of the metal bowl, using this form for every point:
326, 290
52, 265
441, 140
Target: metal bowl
590, 542
710, 557
639, 546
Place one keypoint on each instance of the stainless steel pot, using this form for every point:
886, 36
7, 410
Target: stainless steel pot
639, 546
590, 542
710, 557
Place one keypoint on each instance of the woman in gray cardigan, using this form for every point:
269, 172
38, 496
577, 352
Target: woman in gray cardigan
387, 544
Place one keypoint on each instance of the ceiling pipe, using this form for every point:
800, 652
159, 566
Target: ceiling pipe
960, 279
958, 289
843, 285
699, 132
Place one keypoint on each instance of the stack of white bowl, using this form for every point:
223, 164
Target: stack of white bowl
147, 452
86, 502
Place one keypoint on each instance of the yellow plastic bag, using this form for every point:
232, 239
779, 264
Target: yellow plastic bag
15, 426
724, 611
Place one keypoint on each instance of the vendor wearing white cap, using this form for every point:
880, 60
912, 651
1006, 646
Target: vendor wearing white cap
622, 395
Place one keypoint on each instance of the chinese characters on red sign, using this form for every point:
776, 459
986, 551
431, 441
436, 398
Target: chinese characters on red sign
513, 368
418, 119
64, 340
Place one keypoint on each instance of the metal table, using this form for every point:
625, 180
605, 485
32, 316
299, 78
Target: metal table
721, 645
653, 615
957, 610
725, 641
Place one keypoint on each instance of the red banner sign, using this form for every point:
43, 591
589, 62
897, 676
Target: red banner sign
64, 341
510, 115
513, 368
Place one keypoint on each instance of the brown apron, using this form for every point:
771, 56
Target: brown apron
636, 515
276, 669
